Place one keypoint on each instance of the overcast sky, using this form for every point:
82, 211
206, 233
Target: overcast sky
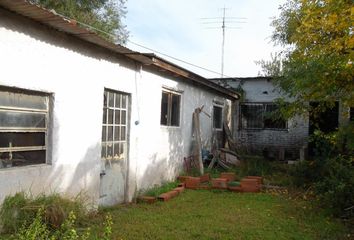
175, 28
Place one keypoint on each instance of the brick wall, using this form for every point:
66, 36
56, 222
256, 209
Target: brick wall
271, 142
268, 141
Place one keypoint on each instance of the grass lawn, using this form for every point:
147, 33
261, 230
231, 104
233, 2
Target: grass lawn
222, 215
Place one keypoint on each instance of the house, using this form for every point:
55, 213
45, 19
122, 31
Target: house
256, 130
81, 115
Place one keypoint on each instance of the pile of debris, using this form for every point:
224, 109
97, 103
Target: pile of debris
225, 158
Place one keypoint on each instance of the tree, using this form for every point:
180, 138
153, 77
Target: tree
317, 61
105, 15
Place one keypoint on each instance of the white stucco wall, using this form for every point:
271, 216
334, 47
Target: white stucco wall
76, 73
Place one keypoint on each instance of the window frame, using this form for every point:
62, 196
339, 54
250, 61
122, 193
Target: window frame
106, 125
46, 98
170, 93
263, 118
221, 116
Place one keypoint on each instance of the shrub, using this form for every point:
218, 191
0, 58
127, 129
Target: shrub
20, 209
38, 229
336, 188
331, 172
12, 213
48, 217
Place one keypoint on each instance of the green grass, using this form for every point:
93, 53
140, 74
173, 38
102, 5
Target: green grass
222, 215
159, 189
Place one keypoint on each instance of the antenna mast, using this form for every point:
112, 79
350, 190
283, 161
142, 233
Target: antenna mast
224, 21
223, 43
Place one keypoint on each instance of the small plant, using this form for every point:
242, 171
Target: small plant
108, 227
159, 189
37, 230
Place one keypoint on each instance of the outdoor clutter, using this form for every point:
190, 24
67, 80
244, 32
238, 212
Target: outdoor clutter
163, 196
226, 181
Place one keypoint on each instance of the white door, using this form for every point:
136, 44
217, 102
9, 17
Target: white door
114, 157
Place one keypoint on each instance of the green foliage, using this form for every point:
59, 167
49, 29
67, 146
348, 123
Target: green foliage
317, 61
36, 230
35, 222
108, 227
105, 15
156, 190
273, 173
336, 188
12, 214
271, 68
39, 230
20, 209
255, 166
331, 173
340, 142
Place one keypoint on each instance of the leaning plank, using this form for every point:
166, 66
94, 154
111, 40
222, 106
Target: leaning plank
212, 163
198, 139
229, 157
230, 140
223, 164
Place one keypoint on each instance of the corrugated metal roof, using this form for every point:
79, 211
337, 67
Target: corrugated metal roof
240, 78
60, 23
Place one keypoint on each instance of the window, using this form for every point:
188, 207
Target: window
217, 117
170, 109
351, 114
23, 127
114, 126
261, 116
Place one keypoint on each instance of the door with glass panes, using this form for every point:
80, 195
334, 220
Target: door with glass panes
114, 157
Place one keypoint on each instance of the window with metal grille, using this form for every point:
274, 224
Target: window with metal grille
351, 114
114, 126
261, 116
23, 127
217, 117
170, 109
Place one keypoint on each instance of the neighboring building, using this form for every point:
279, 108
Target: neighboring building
255, 128
79, 114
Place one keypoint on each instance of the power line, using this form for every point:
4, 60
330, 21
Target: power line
142, 46
174, 58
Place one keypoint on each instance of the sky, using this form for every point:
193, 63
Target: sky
177, 28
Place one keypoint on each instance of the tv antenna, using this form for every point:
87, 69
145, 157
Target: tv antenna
225, 22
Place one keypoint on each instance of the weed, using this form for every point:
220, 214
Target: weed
20, 209
159, 189
255, 166
36, 230
108, 227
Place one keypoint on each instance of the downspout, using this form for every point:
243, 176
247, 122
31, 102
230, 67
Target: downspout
137, 77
